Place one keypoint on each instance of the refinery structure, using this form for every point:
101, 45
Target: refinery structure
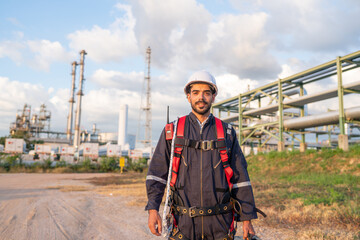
76, 143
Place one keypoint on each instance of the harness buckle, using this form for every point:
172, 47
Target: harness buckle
207, 145
192, 211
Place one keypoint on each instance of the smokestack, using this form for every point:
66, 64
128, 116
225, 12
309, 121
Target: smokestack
122, 131
71, 107
78, 108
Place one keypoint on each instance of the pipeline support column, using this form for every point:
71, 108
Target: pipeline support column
259, 148
281, 144
240, 123
303, 145
343, 141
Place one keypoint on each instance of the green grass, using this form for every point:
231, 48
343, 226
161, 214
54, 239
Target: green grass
319, 178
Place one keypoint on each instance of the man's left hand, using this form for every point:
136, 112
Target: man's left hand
248, 229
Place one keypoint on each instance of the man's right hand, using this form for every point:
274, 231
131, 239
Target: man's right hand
154, 222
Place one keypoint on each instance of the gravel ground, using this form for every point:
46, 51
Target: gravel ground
33, 207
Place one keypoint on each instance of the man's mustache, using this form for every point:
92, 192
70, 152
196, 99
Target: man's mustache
201, 101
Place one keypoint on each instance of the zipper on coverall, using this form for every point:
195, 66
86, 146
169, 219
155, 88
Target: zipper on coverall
201, 182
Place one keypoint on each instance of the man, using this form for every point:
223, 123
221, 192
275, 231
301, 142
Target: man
204, 185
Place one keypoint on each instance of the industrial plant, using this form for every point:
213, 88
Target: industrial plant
271, 117
77, 143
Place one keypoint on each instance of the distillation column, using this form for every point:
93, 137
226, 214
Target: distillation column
71, 106
78, 108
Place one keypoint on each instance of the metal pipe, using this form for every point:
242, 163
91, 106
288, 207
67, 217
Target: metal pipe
71, 106
78, 108
321, 119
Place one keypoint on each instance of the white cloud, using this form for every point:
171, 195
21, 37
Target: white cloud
108, 44
230, 85
240, 45
184, 36
315, 26
38, 54
132, 81
46, 53
12, 50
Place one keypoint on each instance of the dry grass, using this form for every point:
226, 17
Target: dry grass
130, 184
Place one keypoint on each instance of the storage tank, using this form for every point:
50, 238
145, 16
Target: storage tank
15, 145
42, 149
90, 150
110, 150
67, 150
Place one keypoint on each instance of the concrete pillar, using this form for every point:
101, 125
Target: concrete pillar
303, 147
281, 146
343, 142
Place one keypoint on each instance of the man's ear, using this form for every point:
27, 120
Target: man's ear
188, 97
213, 98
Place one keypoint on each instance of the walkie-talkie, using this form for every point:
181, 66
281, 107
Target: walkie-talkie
169, 128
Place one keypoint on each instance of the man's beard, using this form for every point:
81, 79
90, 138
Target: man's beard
203, 110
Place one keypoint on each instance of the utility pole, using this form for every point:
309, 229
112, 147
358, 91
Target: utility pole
147, 108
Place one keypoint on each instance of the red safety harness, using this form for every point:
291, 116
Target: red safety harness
220, 145
206, 145
181, 142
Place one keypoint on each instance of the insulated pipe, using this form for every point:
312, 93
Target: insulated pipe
78, 109
321, 119
71, 101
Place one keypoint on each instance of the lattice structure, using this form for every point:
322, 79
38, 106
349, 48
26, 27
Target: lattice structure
262, 124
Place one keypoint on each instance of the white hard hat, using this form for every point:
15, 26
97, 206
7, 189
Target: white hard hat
201, 77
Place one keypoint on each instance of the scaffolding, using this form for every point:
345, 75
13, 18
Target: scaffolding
284, 117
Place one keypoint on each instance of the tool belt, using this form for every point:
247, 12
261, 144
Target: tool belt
177, 235
203, 211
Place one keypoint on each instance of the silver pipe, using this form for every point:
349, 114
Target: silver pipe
78, 108
321, 119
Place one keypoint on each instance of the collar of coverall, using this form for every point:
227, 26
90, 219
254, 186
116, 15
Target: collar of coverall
194, 119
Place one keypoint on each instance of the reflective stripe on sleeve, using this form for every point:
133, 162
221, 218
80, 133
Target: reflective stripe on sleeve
242, 184
152, 177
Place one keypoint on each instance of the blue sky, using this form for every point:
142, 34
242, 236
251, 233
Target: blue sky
243, 43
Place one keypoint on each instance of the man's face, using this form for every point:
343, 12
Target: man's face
201, 98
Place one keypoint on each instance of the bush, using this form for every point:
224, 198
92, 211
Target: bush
9, 162
46, 164
61, 164
109, 164
137, 166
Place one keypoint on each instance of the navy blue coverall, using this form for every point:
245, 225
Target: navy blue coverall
201, 180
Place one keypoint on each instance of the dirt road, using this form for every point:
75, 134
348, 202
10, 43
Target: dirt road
67, 206
35, 206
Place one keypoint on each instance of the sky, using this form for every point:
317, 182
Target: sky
243, 43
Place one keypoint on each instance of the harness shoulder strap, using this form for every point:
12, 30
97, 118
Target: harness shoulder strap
178, 150
223, 152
